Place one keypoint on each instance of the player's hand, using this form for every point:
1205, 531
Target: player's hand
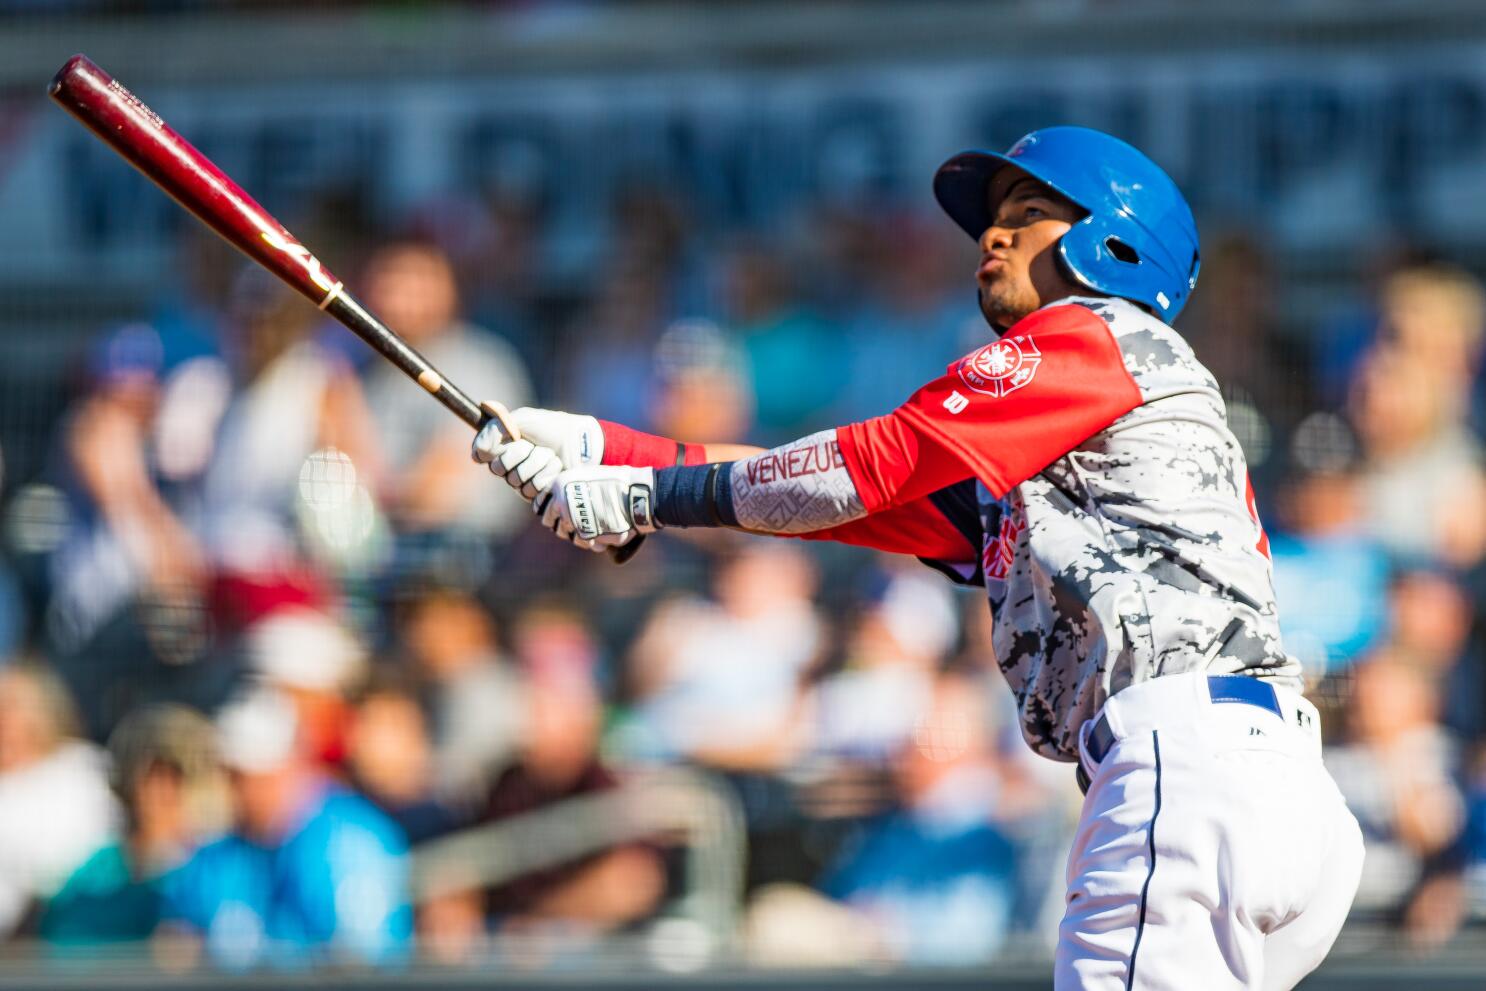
577, 439
526, 467
599, 507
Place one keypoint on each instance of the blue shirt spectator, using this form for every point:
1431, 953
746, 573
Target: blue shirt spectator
1330, 573
310, 873
936, 876
1471, 850
940, 886
1330, 588
334, 889
102, 902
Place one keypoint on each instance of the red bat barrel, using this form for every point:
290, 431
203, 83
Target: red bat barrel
152, 146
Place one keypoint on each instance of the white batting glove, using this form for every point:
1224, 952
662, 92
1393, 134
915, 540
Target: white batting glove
599, 507
578, 439
526, 467
551, 441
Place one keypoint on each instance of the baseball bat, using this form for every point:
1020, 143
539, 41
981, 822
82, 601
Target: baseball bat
142, 138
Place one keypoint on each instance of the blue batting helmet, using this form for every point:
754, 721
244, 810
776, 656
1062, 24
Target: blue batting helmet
1138, 242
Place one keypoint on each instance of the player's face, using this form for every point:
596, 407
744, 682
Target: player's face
1018, 266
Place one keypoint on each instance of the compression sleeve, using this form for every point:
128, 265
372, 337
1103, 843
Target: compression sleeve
627, 446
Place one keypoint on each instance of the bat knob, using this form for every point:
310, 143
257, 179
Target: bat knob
498, 412
622, 554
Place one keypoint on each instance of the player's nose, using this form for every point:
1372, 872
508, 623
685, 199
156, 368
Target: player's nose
994, 237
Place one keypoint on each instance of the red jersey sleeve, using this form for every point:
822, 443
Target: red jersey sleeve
1000, 414
943, 530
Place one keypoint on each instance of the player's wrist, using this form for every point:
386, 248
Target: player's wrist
601, 506
695, 495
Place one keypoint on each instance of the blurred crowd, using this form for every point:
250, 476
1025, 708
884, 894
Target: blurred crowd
275, 646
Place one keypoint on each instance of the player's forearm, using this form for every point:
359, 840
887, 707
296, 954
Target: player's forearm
796, 488
628, 446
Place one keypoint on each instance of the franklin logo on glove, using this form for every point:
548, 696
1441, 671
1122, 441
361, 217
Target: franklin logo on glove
581, 507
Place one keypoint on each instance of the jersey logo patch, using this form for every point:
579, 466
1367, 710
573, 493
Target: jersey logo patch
999, 552
1001, 366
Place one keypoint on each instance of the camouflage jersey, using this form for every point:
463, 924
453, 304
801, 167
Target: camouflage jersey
1080, 468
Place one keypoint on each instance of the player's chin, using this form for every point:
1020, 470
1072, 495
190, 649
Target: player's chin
999, 311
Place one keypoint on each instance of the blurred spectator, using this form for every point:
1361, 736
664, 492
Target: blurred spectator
109, 440
1429, 618
1470, 900
789, 350
12, 610
1329, 572
166, 775
644, 277
489, 236
1233, 325
915, 316
1339, 343
127, 583
560, 760
55, 805
1037, 801
790, 926
411, 285
1437, 313
390, 759
606, 366
721, 681
935, 877
495, 240
12, 617
552, 640
315, 662
475, 700
309, 872
1424, 494
187, 308
287, 479
1395, 769
652, 225
868, 710
861, 718
701, 393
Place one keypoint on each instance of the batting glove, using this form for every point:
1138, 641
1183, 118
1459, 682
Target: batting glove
600, 507
551, 441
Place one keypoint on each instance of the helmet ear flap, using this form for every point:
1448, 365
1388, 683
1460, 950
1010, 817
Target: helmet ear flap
1076, 249
1108, 262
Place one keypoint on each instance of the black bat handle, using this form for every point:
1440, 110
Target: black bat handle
345, 309
348, 311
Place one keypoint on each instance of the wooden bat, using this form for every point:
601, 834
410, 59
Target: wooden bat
137, 133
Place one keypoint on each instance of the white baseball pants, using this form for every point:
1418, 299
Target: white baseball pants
1214, 852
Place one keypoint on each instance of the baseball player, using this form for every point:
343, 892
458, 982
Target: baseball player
1080, 467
